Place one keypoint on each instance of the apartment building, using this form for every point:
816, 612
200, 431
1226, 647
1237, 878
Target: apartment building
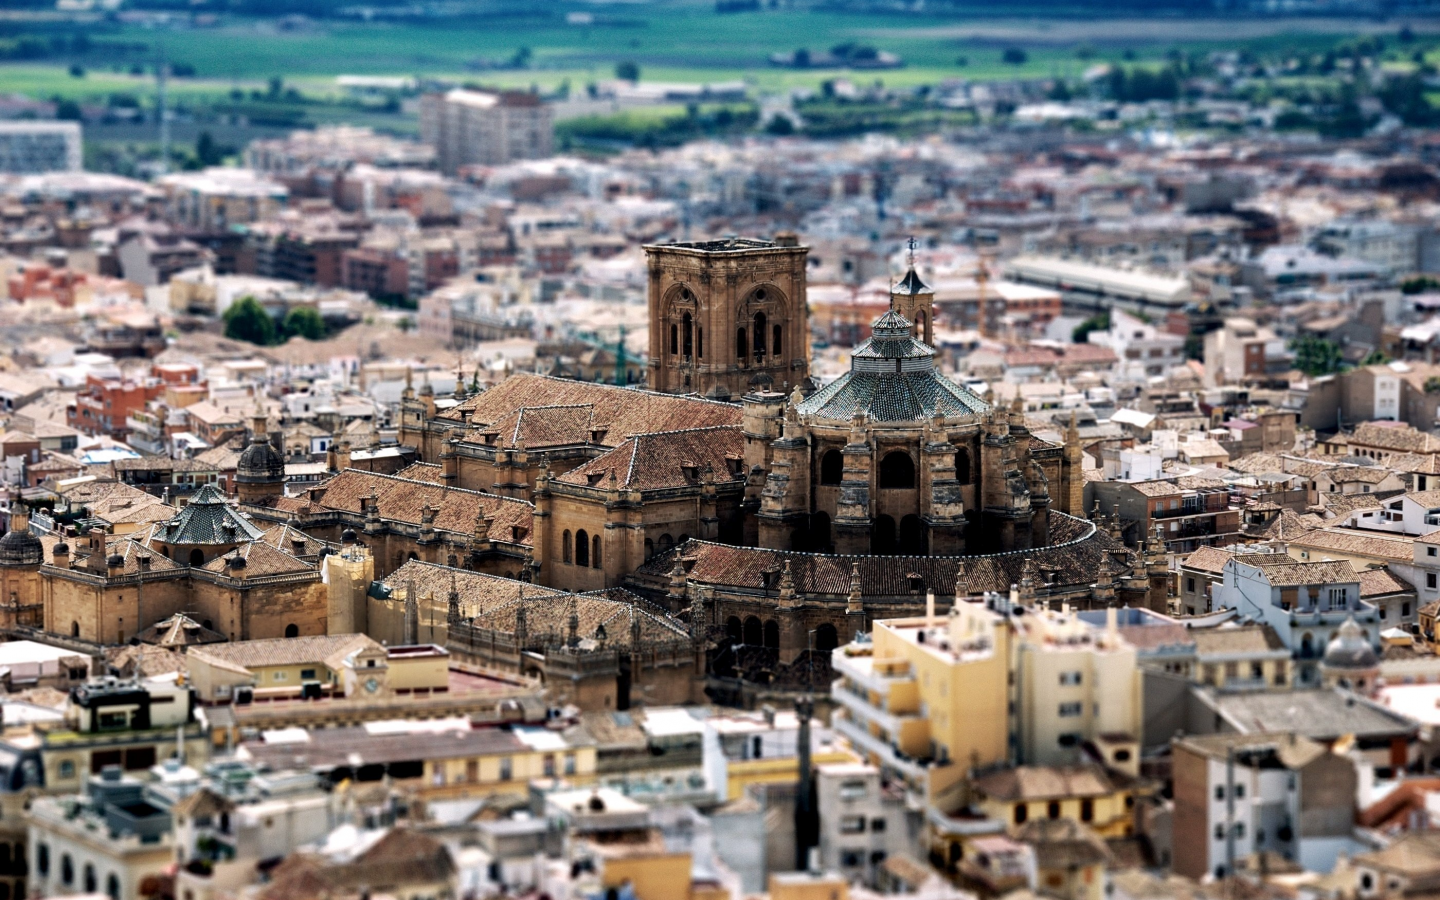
469, 127
29, 148
1239, 794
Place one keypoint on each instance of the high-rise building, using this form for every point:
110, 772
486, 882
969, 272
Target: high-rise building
28, 148
469, 127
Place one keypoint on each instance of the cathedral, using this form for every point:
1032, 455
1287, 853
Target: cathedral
733, 516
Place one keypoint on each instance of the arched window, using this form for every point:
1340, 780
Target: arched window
734, 630
754, 632
897, 470
772, 634
67, 870
292, 630
112, 886
826, 638
775, 340
565, 547
920, 324
595, 551
740, 351
912, 537
412, 555
699, 342
74, 629
820, 533
832, 467
674, 340
682, 539
687, 335
90, 881
42, 860
962, 466
882, 536
582, 548
759, 335
197, 557
649, 548
666, 542
1053, 810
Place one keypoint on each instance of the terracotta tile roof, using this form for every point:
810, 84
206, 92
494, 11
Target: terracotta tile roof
1044, 783
539, 427
621, 412
1257, 464
1075, 562
118, 503
492, 602
423, 472
292, 540
330, 649
1241, 639
1154, 488
402, 500
1360, 475
667, 459
1417, 463
1397, 438
1379, 582
260, 559
1305, 573
1351, 543
131, 549
1208, 559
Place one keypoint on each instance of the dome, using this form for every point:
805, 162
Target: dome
1350, 649
893, 378
347, 536
21, 548
259, 463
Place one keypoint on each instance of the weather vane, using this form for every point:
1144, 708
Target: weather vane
911, 257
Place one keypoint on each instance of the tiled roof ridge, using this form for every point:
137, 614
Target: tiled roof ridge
693, 398
431, 484
641, 434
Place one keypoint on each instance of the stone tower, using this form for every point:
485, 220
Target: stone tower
915, 300
260, 471
729, 316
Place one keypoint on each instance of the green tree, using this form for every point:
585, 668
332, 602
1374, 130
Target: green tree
247, 320
628, 70
1419, 284
1097, 322
77, 71
1375, 358
1316, 356
303, 321
1014, 56
779, 125
207, 152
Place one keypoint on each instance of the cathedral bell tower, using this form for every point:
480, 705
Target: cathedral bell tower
915, 300
728, 317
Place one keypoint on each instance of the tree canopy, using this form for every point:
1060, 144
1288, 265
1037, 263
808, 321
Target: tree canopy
247, 320
303, 321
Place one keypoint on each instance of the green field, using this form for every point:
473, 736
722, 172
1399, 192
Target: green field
679, 40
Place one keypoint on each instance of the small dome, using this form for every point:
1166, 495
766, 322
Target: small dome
236, 562
260, 463
62, 548
347, 536
1350, 649
115, 561
21, 548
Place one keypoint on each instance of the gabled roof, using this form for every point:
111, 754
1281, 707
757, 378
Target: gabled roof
667, 459
619, 411
403, 500
328, 649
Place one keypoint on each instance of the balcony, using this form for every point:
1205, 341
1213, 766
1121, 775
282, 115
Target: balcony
862, 709
856, 734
